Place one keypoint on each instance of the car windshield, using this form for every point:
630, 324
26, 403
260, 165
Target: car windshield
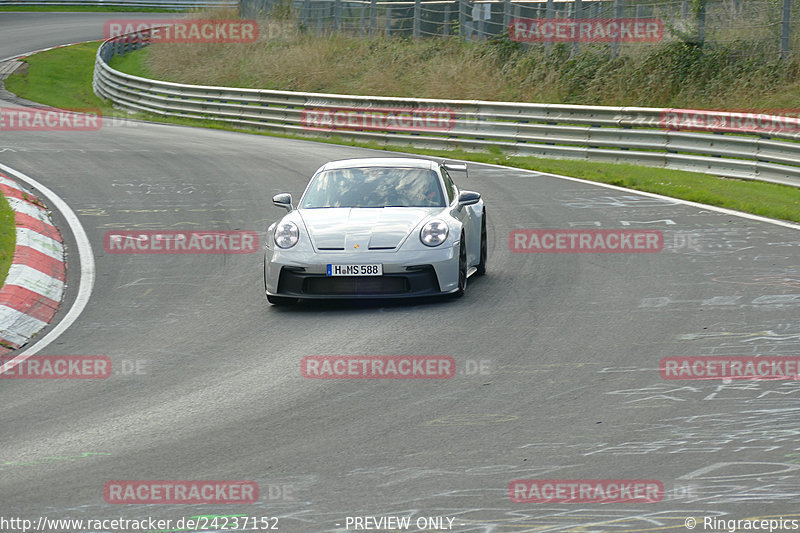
374, 187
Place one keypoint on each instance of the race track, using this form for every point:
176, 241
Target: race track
571, 345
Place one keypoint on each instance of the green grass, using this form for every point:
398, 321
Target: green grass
739, 72
765, 199
134, 63
8, 237
62, 78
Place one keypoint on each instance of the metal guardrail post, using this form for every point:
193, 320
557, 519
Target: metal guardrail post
701, 22
373, 7
462, 19
618, 15
481, 30
417, 17
506, 15
578, 7
517, 13
388, 20
549, 13
361, 26
337, 14
304, 13
785, 28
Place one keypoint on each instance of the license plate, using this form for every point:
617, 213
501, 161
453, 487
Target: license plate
355, 270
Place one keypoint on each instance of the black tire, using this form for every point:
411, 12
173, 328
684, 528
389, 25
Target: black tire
481, 268
462, 268
281, 300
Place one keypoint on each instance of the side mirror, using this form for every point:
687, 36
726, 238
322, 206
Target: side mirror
284, 200
468, 198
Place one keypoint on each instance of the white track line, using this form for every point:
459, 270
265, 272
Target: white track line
706, 207
87, 270
26, 54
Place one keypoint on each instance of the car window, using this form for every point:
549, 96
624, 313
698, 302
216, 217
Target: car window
374, 187
449, 185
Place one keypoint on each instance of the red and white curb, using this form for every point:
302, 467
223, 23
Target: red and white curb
28, 54
35, 282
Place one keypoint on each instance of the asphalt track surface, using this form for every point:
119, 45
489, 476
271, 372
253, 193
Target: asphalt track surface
571, 342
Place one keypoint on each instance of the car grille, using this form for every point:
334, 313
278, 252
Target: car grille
355, 285
417, 280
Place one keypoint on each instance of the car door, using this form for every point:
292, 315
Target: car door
466, 215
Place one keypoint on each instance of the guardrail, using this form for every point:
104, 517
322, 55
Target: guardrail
165, 4
634, 135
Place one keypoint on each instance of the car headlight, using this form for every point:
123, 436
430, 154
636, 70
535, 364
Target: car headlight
433, 233
286, 234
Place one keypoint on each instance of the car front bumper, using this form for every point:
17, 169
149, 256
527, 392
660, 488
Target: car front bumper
406, 274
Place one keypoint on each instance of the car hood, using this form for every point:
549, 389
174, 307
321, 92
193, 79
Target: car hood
349, 228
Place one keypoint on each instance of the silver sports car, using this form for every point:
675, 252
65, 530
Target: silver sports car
376, 228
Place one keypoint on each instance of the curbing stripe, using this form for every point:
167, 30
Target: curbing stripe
11, 192
9, 182
28, 302
41, 227
83, 261
27, 207
17, 328
37, 241
35, 282
25, 255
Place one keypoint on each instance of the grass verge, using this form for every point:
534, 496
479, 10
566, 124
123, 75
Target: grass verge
8, 237
70, 70
61, 77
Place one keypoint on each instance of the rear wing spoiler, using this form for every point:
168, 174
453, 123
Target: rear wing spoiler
456, 167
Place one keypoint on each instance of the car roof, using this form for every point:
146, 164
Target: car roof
400, 162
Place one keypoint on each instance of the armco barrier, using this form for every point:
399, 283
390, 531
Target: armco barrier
633, 135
